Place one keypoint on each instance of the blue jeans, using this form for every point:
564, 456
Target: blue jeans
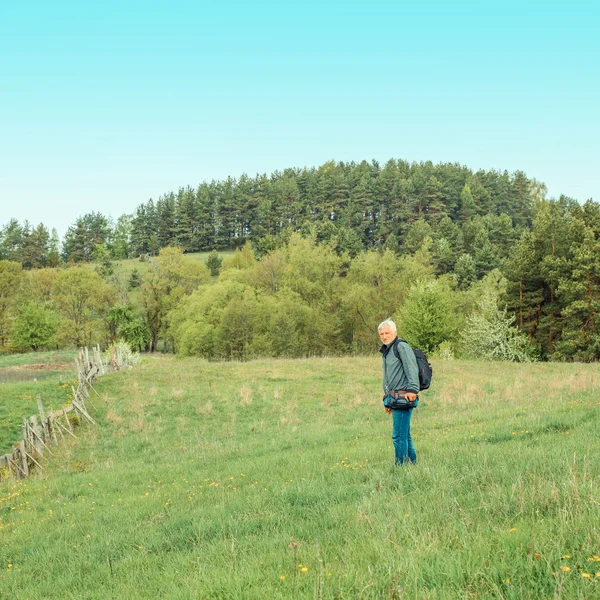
403, 444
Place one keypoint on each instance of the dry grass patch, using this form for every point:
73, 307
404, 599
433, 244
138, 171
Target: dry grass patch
113, 417
137, 425
460, 393
245, 395
207, 408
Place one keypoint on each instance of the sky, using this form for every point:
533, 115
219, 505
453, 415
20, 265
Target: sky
106, 105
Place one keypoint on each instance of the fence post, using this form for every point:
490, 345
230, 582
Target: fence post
45, 432
37, 431
24, 463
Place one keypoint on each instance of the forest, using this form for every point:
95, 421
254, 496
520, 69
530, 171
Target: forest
469, 263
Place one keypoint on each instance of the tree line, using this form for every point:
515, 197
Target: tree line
365, 205
465, 228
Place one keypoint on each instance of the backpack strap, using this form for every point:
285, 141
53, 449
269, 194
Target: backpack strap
396, 351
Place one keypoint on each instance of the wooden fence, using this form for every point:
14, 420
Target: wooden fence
52, 426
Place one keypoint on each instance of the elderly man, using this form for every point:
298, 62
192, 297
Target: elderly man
401, 386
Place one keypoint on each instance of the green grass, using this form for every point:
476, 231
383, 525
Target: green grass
25, 376
274, 479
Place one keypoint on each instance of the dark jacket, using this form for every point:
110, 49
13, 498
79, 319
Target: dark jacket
399, 374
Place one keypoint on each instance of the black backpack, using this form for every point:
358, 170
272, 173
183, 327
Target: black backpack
425, 370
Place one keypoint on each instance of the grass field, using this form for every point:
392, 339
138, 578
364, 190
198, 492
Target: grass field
25, 376
274, 479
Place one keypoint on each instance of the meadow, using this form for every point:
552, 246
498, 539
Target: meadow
275, 479
25, 376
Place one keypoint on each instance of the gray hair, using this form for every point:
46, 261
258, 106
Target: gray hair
388, 323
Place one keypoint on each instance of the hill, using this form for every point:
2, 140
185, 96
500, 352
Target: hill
274, 479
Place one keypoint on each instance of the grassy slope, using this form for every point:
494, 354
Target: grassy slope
128, 265
124, 268
274, 479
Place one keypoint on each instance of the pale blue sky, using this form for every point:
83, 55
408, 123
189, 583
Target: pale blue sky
109, 104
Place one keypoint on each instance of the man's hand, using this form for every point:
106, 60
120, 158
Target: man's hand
410, 396
388, 410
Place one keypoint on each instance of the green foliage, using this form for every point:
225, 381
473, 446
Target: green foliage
83, 299
82, 238
213, 262
427, 317
127, 324
121, 238
134, 279
465, 272
169, 280
102, 257
243, 258
233, 320
460, 223
11, 278
34, 326
468, 208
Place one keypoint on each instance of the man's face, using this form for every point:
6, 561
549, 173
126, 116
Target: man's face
387, 335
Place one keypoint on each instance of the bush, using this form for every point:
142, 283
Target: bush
491, 335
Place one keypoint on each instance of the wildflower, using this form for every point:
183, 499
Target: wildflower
565, 569
282, 577
537, 555
507, 580
513, 529
586, 575
304, 569
566, 556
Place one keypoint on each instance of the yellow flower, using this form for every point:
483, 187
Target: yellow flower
566, 556
513, 529
586, 575
304, 569
282, 577
565, 569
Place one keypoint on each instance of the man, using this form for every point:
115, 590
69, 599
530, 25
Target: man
401, 388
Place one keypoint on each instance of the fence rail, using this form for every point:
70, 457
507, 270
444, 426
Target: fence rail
53, 426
